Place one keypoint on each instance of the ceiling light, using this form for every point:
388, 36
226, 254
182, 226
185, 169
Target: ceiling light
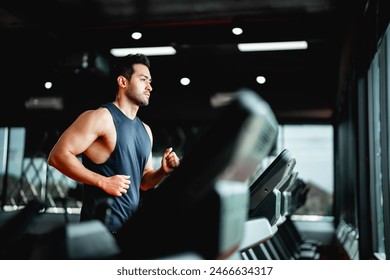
136, 35
237, 31
185, 81
48, 85
150, 51
272, 46
260, 79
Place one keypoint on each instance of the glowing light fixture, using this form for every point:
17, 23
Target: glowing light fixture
260, 79
150, 51
237, 31
136, 35
48, 85
272, 46
185, 81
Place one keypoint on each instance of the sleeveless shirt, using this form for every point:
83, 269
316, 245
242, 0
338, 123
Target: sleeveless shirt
129, 157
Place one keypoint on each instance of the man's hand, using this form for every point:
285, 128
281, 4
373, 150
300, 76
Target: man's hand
116, 185
169, 161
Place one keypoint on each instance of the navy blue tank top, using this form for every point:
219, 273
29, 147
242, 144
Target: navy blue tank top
130, 155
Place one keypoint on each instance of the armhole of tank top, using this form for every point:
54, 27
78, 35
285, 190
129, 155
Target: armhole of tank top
109, 108
147, 133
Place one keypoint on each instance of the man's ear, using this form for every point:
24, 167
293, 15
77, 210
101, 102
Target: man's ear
121, 81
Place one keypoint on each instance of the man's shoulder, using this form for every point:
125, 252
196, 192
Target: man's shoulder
98, 113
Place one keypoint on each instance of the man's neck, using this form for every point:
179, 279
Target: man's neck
130, 110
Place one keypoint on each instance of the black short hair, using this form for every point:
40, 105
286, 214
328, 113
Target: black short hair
124, 65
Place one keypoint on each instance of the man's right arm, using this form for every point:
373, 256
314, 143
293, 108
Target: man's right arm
74, 141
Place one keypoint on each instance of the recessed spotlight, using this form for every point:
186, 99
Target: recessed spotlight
237, 31
48, 85
136, 35
260, 79
185, 81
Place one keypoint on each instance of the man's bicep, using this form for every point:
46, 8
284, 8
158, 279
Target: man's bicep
80, 135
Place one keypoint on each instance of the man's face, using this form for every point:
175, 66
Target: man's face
139, 87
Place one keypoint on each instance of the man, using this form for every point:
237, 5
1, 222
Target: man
116, 148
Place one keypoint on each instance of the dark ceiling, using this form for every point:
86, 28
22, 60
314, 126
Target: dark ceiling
46, 40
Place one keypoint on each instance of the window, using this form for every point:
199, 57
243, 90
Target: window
312, 147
